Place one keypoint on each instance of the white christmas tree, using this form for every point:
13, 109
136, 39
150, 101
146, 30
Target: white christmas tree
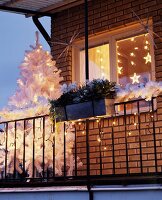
39, 81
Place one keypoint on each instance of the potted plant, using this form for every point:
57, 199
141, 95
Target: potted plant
94, 98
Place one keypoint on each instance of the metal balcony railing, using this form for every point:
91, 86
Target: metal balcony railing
120, 149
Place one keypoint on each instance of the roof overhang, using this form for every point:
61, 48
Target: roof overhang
37, 7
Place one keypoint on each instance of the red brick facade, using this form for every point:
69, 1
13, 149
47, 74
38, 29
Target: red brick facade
109, 15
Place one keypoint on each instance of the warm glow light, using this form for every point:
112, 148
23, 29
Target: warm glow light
99, 139
147, 58
147, 42
132, 54
132, 39
98, 51
114, 122
132, 63
129, 133
51, 88
146, 47
135, 124
119, 61
136, 48
83, 132
105, 148
135, 78
119, 70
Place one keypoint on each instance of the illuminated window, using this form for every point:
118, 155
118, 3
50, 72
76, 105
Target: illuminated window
119, 56
99, 65
134, 60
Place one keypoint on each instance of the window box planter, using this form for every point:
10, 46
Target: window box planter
87, 109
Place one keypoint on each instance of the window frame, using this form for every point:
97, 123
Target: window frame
109, 37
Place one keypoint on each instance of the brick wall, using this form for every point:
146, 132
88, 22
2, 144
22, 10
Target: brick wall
109, 15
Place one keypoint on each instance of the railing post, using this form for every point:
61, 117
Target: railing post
15, 149
33, 148
87, 148
24, 146
126, 147
43, 144
6, 150
154, 134
139, 129
64, 149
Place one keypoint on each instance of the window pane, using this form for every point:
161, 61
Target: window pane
99, 66
134, 60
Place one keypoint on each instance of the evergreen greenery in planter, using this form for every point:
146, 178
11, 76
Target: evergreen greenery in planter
93, 98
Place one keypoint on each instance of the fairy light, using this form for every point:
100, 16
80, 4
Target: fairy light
135, 124
135, 78
80, 123
132, 54
135, 48
119, 61
99, 139
51, 89
146, 47
97, 120
83, 132
135, 113
105, 148
114, 123
147, 42
132, 39
119, 54
129, 133
98, 51
147, 58
132, 63
119, 70
101, 59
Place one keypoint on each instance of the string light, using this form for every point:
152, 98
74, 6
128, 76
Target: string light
99, 139
83, 132
132, 63
119, 70
135, 78
147, 58
146, 47
105, 148
114, 122
129, 133
135, 48
132, 54
132, 39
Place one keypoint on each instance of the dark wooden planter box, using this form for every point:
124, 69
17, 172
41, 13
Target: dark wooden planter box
87, 109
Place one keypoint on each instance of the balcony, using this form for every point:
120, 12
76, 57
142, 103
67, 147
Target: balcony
125, 148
